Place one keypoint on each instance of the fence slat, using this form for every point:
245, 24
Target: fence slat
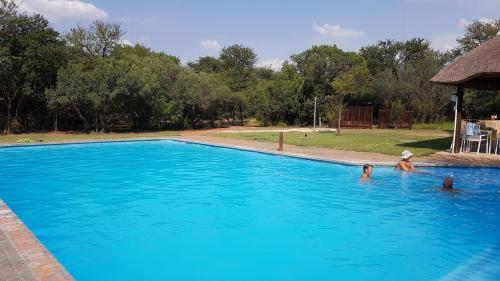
386, 119
357, 117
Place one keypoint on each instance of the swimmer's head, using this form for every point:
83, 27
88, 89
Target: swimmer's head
448, 183
367, 169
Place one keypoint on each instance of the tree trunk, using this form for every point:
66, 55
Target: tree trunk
8, 130
240, 107
84, 120
55, 123
232, 115
340, 115
96, 123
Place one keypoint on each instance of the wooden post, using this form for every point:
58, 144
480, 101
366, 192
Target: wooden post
280, 146
458, 125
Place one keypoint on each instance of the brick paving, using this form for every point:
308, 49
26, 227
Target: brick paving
22, 256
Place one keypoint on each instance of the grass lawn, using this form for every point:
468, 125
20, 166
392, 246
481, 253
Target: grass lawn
51, 137
386, 141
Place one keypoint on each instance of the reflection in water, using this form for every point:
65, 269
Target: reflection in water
483, 266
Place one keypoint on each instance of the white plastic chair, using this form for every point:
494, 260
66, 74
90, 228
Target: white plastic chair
472, 134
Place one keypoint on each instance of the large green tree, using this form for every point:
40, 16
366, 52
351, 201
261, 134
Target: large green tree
238, 63
98, 39
476, 33
134, 86
392, 55
30, 54
346, 84
276, 98
207, 64
319, 66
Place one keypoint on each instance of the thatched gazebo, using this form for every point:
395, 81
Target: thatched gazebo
477, 69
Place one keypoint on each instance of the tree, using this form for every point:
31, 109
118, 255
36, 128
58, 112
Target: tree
401, 72
207, 64
347, 83
147, 88
238, 62
30, 54
381, 56
8, 9
393, 55
99, 39
319, 66
277, 99
476, 33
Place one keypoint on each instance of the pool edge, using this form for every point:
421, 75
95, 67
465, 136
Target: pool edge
246, 148
327, 160
97, 141
27, 258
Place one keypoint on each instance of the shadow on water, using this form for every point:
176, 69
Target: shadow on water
437, 144
483, 266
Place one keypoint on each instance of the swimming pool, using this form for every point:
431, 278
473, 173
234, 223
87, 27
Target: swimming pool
168, 210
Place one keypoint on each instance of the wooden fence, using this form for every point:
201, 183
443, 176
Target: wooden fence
387, 119
357, 117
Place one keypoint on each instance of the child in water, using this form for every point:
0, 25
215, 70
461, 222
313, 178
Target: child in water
367, 172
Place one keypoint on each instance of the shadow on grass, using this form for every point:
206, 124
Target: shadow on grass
435, 144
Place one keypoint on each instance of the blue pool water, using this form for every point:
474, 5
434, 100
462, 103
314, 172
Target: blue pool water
167, 210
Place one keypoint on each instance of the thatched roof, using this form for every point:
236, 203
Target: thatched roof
477, 69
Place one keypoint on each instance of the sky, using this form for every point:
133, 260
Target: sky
274, 29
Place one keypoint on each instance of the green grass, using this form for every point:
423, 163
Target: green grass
55, 137
445, 126
385, 141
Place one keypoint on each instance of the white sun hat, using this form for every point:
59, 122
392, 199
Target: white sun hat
406, 154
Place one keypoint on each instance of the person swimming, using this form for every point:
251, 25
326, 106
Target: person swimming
367, 172
448, 184
405, 163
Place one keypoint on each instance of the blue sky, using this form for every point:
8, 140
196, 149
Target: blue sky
274, 29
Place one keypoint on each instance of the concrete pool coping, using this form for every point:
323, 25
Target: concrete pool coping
333, 160
22, 256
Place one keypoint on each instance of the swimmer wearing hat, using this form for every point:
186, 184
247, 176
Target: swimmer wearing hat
405, 163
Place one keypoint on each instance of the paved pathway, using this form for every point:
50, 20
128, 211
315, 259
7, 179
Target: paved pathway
342, 156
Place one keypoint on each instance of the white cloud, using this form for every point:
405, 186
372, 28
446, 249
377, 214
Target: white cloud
444, 42
337, 31
274, 64
465, 22
62, 10
210, 44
